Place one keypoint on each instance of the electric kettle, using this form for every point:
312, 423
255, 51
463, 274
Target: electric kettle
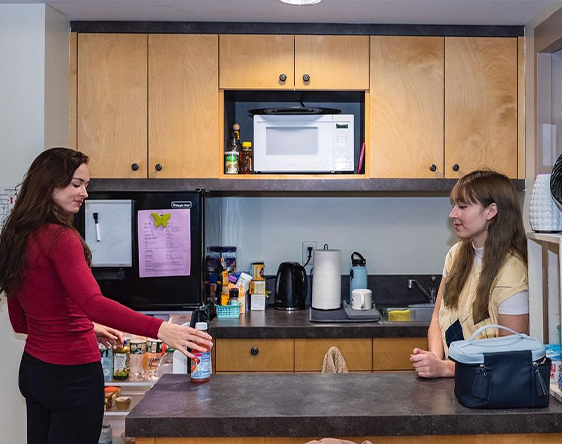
290, 287
358, 273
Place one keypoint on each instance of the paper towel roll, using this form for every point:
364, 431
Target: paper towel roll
326, 281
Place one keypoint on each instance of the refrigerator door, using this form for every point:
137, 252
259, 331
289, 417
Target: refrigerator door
161, 291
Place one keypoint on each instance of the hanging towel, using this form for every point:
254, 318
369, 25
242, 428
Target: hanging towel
334, 361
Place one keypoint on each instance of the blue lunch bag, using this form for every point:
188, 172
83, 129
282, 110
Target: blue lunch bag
504, 372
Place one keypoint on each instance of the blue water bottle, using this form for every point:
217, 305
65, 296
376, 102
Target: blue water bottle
358, 273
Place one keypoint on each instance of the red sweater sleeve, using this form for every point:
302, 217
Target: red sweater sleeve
67, 255
17, 316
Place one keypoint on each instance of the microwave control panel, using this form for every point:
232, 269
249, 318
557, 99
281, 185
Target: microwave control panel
343, 146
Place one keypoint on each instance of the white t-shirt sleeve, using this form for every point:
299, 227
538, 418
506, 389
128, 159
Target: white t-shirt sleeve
518, 304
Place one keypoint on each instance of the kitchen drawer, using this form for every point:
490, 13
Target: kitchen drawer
309, 353
255, 355
394, 353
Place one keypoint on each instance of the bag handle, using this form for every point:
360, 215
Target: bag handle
485, 327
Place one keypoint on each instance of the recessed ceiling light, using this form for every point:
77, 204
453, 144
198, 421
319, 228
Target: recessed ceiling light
301, 2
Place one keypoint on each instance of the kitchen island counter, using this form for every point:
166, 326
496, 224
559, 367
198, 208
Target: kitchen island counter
277, 324
295, 408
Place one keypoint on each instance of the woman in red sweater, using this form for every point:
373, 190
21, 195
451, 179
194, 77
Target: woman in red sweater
55, 300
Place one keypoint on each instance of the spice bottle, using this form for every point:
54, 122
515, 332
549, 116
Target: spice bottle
231, 156
246, 158
121, 361
201, 363
138, 351
153, 355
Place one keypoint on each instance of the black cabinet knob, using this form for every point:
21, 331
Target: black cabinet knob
456, 167
135, 166
282, 77
433, 167
306, 77
254, 351
158, 167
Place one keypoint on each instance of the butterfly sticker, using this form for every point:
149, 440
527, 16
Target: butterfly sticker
161, 220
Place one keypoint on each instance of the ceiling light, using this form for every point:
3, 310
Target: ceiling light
301, 2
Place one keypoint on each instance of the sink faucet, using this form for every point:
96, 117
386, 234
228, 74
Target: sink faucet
431, 295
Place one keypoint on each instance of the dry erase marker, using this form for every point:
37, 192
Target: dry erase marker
97, 227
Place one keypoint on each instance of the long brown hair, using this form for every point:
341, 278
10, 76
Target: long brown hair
34, 207
506, 235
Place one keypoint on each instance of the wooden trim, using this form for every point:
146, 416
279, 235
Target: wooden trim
520, 107
221, 129
367, 135
535, 438
73, 91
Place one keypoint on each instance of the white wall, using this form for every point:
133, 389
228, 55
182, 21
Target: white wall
33, 115
397, 235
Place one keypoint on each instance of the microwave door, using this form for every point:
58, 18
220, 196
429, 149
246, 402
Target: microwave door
294, 148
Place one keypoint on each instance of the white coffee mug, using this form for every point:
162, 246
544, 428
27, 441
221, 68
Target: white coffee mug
361, 299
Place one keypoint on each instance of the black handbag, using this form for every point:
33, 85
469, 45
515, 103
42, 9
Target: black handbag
503, 372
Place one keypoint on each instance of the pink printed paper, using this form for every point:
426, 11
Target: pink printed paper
164, 242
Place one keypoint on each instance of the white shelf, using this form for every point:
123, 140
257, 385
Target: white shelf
555, 392
552, 238
129, 383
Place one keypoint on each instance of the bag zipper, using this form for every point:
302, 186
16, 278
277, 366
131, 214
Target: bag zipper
540, 386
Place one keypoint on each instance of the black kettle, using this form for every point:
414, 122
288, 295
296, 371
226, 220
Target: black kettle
290, 286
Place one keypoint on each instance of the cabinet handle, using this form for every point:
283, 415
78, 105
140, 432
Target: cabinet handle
433, 167
306, 77
282, 77
158, 167
254, 351
135, 166
456, 167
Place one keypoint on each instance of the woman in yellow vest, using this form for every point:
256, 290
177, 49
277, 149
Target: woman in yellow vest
485, 274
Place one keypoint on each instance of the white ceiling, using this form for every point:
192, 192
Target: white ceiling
437, 12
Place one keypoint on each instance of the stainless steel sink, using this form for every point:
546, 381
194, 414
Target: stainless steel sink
418, 312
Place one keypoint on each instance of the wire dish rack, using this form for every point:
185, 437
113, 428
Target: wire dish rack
228, 311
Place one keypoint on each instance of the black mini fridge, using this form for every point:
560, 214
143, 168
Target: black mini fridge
147, 224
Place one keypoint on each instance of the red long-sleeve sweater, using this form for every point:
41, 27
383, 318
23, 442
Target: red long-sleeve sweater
60, 298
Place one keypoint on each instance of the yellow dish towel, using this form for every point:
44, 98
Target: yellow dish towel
399, 315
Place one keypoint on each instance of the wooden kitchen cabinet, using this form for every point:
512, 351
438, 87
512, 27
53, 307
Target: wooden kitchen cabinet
480, 105
394, 353
294, 62
183, 106
112, 104
357, 352
407, 109
255, 355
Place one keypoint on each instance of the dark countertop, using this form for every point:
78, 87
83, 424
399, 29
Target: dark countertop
315, 405
276, 324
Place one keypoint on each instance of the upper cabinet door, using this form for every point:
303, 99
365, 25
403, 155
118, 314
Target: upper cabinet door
183, 106
256, 61
112, 104
407, 75
480, 105
331, 62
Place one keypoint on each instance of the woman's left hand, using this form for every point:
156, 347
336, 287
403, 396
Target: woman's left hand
428, 366
108, 336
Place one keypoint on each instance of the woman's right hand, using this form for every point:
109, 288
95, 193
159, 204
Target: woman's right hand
428, 366
181, 337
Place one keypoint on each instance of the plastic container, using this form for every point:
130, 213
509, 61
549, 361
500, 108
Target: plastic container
201, 363
166, 364
153, 355
228, 311
138, 352
106, 436
229, 256
231, 156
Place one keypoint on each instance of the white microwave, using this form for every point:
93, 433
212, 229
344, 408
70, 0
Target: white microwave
320, 143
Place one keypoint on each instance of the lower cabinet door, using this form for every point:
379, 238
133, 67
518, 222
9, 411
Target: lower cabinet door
255, 355
357, 352
394, 353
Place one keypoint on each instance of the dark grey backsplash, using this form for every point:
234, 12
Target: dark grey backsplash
388, 289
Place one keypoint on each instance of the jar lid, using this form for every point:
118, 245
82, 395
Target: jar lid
201, 326
228, 249
247, 144
234, 292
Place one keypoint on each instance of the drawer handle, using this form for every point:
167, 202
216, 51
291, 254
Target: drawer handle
158, 167
306, 77
456, 167
433, 167
135, 166
254, 351
282, 77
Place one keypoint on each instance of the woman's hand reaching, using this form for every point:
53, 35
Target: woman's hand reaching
428, 366
108, 336
181, 337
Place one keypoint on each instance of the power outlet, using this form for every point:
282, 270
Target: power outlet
305, 246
